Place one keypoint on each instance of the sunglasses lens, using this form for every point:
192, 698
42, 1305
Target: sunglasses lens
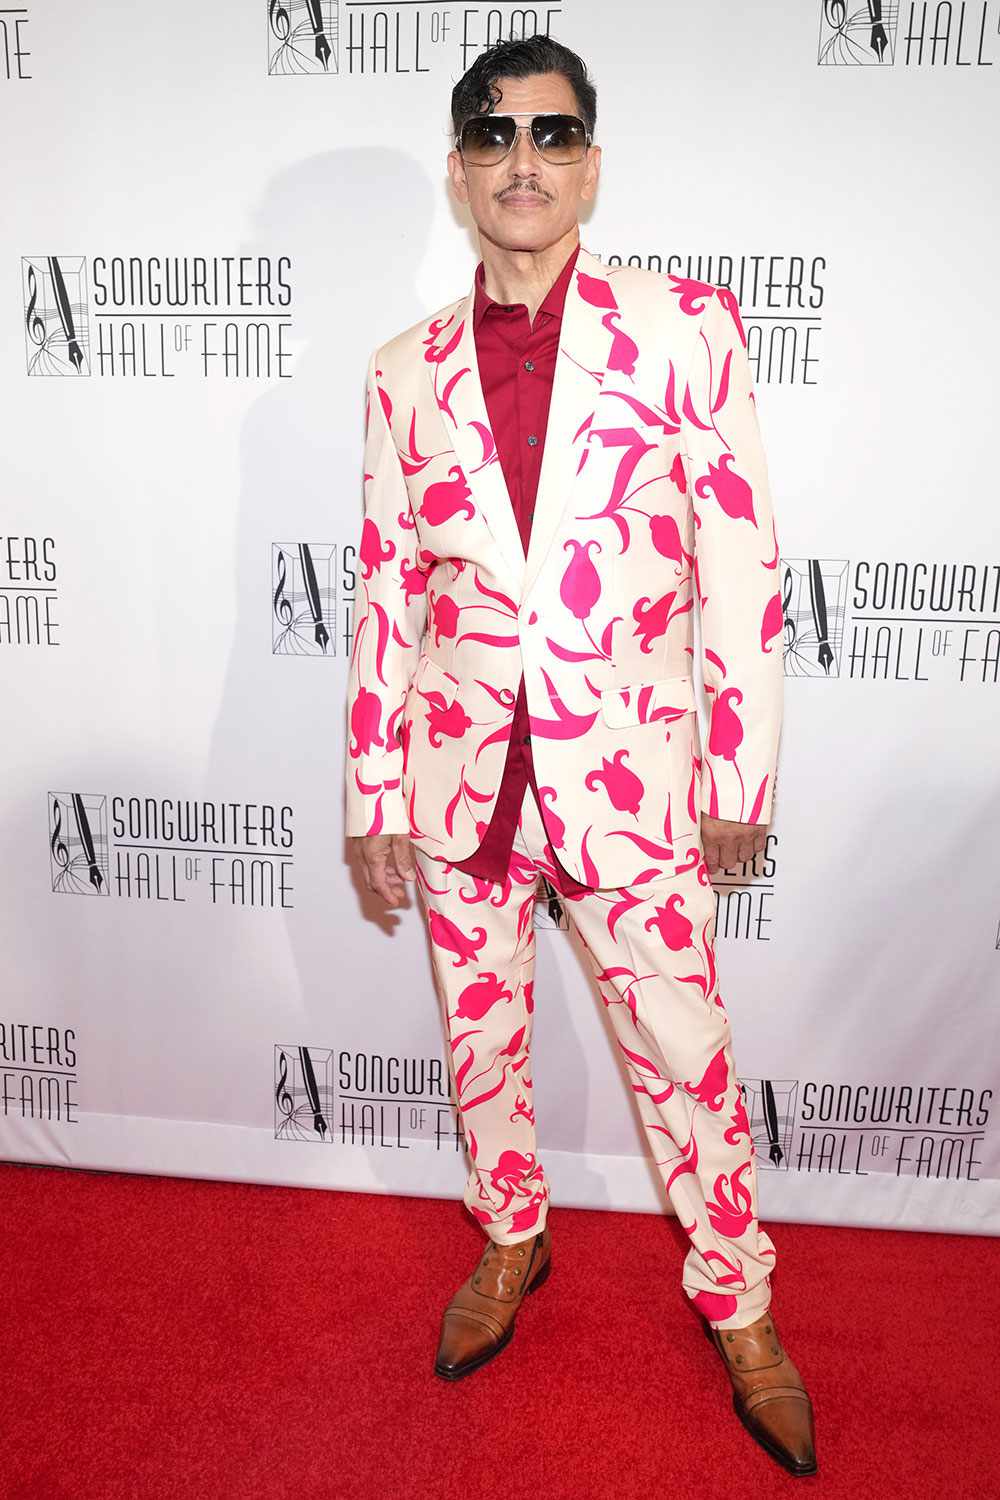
487, 140
560, 139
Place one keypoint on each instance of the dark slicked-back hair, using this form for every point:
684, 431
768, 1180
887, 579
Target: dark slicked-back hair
476, 91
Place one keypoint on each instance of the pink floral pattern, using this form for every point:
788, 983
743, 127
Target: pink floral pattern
650, 948
653, 498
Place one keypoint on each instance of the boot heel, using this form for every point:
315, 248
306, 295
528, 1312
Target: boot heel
541, 1277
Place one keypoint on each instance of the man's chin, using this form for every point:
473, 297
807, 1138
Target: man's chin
528, 237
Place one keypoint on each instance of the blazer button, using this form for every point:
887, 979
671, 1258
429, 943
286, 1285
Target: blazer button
506, 696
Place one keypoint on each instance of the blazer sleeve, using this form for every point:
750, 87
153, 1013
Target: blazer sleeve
390, 618
736, 570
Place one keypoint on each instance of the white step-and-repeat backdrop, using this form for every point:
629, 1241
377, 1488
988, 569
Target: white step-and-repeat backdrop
211, 216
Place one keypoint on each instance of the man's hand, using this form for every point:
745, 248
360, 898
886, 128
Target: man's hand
387, 862
727, 843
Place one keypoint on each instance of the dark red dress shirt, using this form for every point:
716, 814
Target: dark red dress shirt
517, 361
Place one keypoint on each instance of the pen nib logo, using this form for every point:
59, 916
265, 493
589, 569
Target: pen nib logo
856, 35
56, 329
303, 36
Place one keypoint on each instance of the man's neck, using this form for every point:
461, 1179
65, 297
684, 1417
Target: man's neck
511, 276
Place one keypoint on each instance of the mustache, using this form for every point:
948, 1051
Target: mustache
527, 186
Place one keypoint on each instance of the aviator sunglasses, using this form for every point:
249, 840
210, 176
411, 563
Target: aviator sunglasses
485, 140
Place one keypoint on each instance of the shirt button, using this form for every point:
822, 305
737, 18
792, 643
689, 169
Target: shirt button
526, 740
506, 696
529, 365
532, 440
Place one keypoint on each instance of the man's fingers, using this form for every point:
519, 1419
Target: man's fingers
727, 844
727, 853
402, 851
379, 866
746, 849
385, 881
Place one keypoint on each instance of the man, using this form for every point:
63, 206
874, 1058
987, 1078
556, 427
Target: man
554, 465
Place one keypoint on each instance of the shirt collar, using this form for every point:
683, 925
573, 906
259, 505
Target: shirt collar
551, 304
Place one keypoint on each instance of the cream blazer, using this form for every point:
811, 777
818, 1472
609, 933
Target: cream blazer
653, 495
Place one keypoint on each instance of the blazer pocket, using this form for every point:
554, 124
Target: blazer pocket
664, 699
432, 678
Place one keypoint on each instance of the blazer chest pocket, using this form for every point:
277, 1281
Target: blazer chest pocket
659, 701
431, 678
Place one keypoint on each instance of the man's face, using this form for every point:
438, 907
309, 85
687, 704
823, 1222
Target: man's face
524, 203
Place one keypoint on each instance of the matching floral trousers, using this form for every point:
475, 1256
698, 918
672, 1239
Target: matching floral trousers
651, 947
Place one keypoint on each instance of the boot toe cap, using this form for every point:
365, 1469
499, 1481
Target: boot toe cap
464, 1342
785, 1426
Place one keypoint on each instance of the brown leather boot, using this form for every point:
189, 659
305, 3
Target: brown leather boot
479, 1320
768, 1394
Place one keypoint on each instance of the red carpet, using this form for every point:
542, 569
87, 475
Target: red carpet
214, 1341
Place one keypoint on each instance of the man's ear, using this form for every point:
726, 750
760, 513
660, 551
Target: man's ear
456, 171
592, 174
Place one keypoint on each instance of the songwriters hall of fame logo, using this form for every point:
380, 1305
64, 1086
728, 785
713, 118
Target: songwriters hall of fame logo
56, 329
855, 1129
154, 317
397, 36
29, 591
160, 848
14, 54
813, 594
343, 1098
899, 619
303, 36
312, 598
931, 35
39, 1073
857, 33
770, 1107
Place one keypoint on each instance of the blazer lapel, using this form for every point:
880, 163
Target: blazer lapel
585, 344
454, 373
581, 365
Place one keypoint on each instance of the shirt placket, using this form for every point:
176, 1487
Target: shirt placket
523, 360
529, 441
